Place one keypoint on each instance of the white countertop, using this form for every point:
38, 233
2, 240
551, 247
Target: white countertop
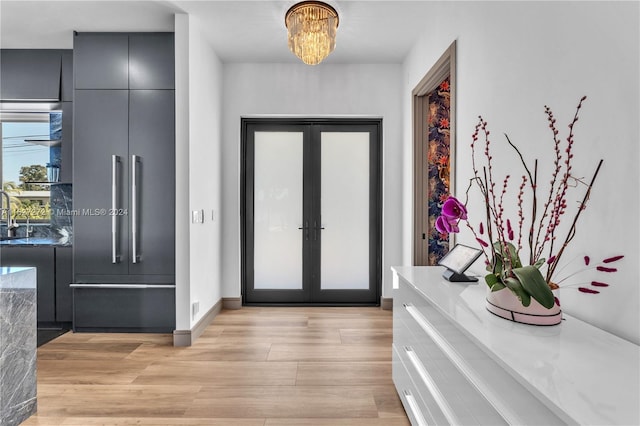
584, 374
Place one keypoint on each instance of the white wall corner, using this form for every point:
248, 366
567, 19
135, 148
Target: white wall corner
183, 289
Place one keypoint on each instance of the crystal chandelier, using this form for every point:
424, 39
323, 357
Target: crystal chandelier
311, 26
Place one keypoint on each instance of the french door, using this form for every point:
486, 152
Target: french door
311, 208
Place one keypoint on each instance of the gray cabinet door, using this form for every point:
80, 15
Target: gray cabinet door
151, 140
63, 280
151, 61
147, 310
30, 74
66, 166
66, 80
42, 259
100, 132
101, 61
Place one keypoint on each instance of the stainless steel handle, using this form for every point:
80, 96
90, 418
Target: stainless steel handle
125, 286
134, 210
114, 207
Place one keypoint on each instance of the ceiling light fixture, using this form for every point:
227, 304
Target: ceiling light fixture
311, 27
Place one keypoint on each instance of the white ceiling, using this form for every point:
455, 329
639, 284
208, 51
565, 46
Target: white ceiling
370, 31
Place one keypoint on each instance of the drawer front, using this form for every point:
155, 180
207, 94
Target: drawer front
124, 309
462, 373
415, 404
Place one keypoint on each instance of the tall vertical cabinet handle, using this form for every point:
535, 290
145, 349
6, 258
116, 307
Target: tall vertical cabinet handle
134, 210
114, 208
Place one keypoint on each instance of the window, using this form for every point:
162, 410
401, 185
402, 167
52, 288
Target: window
30, 155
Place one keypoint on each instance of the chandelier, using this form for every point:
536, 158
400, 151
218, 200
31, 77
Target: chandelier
311, 27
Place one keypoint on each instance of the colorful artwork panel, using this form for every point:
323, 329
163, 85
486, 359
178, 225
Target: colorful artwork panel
439, 165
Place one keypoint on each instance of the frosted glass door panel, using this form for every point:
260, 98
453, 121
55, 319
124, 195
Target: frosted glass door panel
278, 210
344, 211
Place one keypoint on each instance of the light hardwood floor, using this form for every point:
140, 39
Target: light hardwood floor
254, 366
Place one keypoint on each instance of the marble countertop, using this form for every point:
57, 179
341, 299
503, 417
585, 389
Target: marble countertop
36, 242
583, 373
18, 322
12, 277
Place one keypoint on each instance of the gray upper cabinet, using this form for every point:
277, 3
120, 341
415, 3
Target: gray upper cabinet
66, 162
66, 82
30, 74
101, 61
124, 61
151, 61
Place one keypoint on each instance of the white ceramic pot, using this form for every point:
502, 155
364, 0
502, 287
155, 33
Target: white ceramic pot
505, 304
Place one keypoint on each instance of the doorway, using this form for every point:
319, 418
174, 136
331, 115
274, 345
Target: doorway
434, 140
311, 211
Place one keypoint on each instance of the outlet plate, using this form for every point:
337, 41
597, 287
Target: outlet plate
197, 216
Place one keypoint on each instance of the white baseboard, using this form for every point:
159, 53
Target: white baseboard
232, 303
188, 337
386, 303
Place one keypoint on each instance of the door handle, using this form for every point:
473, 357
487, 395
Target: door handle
114, 208
306, 230
134, 209
315, 230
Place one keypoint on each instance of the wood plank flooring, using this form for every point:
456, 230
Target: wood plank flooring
253, 366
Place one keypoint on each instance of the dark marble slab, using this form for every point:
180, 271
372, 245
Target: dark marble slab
59, 231
17, 345
61, 205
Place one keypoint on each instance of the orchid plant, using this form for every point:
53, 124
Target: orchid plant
497, 233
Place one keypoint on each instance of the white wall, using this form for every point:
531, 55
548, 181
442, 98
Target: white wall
183, 290
298, 89
512, 59
198, 170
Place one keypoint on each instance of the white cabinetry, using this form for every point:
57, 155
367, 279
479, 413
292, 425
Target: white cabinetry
456, 363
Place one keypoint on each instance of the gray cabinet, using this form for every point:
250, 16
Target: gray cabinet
100, 159
124, 61
62, 285
43, 259
151, 140
117, 309
66, 82
135, 240
101, 61
124, 184
66, 147
151, 59
35, 74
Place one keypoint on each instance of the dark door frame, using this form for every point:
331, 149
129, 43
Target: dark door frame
375, 196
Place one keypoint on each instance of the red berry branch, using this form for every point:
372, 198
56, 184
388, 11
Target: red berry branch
543, 230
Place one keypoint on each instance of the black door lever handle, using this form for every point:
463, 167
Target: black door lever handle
315, 230
306, 230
